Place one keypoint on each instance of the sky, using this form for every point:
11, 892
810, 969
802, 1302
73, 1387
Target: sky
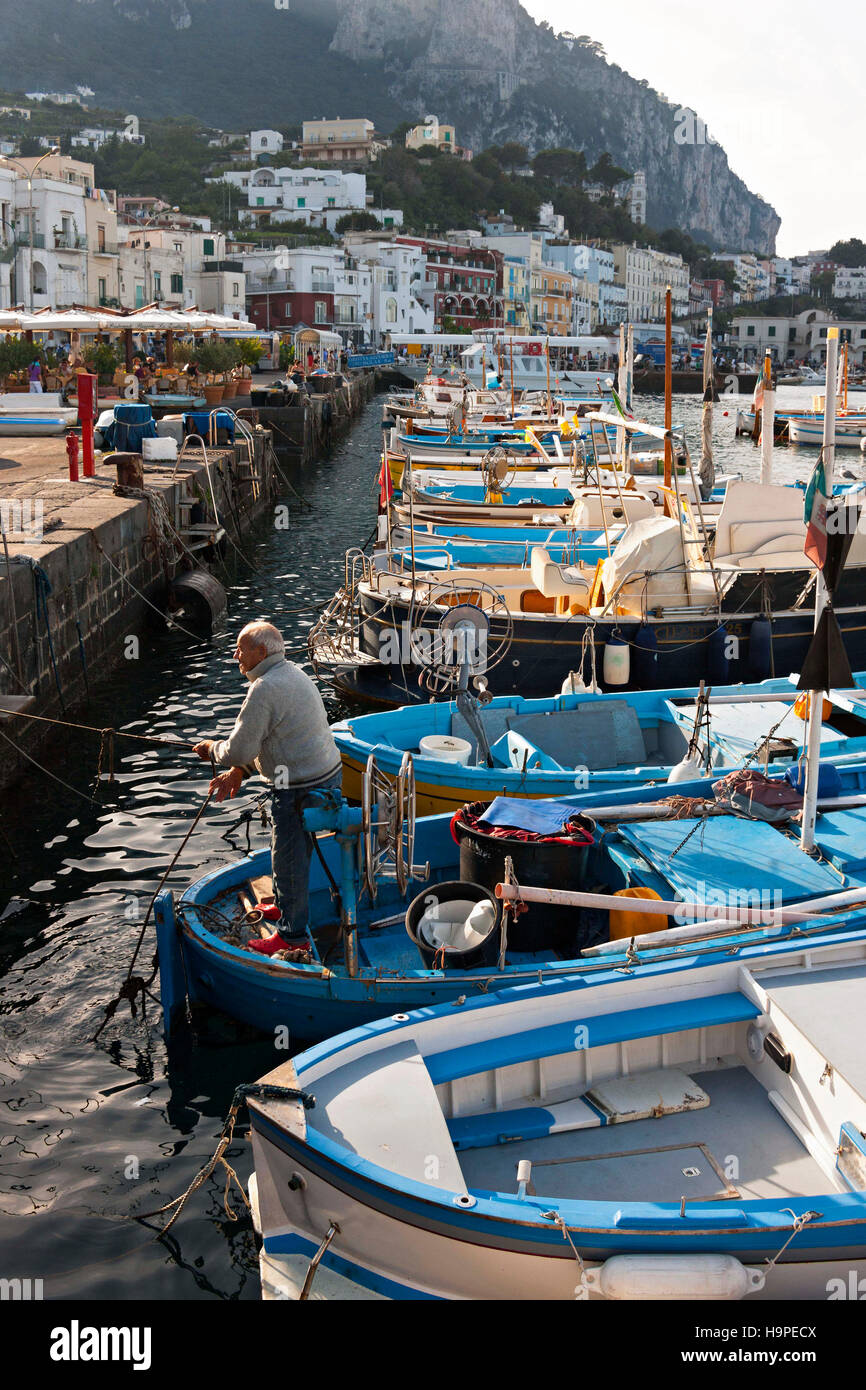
780, 87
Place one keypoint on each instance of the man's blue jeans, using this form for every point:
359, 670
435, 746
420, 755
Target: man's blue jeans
291, 849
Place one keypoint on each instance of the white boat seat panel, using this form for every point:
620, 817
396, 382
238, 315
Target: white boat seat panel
646, 1095
389, 1114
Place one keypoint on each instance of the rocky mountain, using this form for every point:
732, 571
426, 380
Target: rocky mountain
484, 65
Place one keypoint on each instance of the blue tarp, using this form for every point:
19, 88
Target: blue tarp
727, 854
541, 817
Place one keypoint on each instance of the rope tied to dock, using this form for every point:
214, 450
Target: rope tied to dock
257, 1090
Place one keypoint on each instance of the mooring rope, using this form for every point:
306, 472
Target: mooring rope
257, 1090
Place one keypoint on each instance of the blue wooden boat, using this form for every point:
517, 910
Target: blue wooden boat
366, 965
587, 742
466, 1151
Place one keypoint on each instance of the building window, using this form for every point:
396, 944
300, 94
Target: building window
750, 331
302, 202
177, 284
390, 311
103, 293
320, 314
157, 284
208, 246
139, 296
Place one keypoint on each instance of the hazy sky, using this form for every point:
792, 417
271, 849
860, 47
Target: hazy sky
781, 88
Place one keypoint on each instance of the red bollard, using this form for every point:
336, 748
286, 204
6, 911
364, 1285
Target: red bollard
72, 453
86, 400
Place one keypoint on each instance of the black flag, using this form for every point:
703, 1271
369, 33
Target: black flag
826, 666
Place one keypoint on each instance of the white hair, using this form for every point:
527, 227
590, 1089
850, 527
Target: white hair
267, 636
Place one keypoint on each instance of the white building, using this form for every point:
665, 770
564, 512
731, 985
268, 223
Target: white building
317, 197
397, 301
74, 234
94, 137
753, 279
796, 339
850, 283
265, 142
177, 267
553, 221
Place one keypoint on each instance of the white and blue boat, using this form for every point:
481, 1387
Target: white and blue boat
464, 751
371, 960
692, 1128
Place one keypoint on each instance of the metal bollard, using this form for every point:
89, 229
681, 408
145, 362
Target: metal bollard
72, 454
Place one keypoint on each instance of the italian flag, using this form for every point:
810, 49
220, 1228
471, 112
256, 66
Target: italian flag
815, 516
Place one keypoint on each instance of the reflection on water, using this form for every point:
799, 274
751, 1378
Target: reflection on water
95, 1133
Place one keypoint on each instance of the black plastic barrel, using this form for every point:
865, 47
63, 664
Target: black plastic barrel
482, 956
558, 863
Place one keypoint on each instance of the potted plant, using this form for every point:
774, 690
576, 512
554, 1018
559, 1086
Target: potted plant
213, 357
102, 359
247, 353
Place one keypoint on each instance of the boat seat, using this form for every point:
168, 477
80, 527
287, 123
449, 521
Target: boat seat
596, 734
557, 581
642, 1096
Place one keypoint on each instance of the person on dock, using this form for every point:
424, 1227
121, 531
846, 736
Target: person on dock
34, 373
281, 732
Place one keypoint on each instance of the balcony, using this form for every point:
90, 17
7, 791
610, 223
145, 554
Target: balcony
69, 241
322, 287
108, 248
262, 284
236, 267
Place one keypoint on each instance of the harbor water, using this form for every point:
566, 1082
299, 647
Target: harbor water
97, 1133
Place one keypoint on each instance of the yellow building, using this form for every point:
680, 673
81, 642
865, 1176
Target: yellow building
432, 135
550, 304
335, 140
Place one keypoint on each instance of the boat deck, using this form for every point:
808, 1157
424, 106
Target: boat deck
739, 1145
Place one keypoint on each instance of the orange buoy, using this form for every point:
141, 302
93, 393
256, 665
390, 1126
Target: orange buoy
801, 706
631, 923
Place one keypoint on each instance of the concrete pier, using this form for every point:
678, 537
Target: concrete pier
85, 561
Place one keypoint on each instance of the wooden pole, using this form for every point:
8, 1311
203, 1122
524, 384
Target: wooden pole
669, 388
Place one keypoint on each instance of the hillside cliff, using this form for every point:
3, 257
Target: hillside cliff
483, 65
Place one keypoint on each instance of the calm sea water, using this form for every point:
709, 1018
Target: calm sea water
93, 1134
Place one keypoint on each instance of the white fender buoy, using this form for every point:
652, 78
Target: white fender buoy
689, 770
617, 662
679, 1277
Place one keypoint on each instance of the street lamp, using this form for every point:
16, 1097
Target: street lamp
29, 174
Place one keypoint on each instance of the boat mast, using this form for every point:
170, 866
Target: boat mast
669, 387
816, 697
768, 421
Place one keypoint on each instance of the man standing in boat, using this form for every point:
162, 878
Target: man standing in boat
281, 732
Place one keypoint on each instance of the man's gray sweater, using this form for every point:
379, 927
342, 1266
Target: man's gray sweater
282, 729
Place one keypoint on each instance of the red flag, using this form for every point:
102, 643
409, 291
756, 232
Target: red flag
386, 487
